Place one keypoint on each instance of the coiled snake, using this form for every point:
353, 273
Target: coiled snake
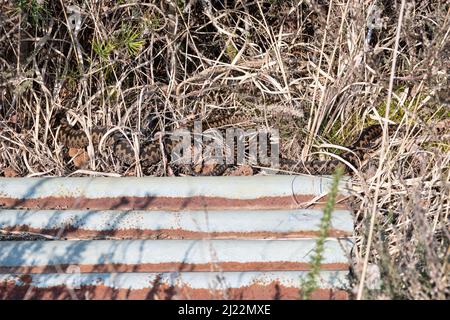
151, 152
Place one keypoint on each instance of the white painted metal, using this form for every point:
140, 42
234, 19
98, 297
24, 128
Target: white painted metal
239, 258
251, 187
133, 252
273, 221
194, 280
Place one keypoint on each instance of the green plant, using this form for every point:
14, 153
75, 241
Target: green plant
103, 49
310, 283
231, 51
34, 10
153, 21
130, 39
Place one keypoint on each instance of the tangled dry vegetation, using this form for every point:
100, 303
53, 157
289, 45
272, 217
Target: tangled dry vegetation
319, 71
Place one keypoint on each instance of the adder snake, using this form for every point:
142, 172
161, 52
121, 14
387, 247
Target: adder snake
150, 151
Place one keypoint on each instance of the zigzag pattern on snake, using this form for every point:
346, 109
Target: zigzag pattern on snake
150, 151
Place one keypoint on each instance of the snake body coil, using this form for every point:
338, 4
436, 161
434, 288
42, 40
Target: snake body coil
150, 151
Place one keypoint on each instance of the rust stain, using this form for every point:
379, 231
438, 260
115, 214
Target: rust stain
168, 203
175, 234
158, 291
178, 266
9, 289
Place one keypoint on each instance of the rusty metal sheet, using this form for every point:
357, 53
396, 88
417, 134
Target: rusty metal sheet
222, 224
169, 255
177, 285
167, 193
224, 238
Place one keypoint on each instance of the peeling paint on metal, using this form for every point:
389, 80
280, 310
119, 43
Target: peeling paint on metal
224, 187
176, 285
169, 255
175, 225
171, 193
216, 232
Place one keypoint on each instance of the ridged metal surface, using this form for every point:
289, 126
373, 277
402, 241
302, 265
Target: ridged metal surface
167, 193
170, 255
221, 224
170, 238
226, 187
174, 285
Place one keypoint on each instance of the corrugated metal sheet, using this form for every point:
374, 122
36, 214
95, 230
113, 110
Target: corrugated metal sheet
175, 285
168, 255
166, 193
184, 224
224, 237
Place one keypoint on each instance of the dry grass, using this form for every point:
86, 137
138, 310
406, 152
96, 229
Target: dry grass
319, 71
